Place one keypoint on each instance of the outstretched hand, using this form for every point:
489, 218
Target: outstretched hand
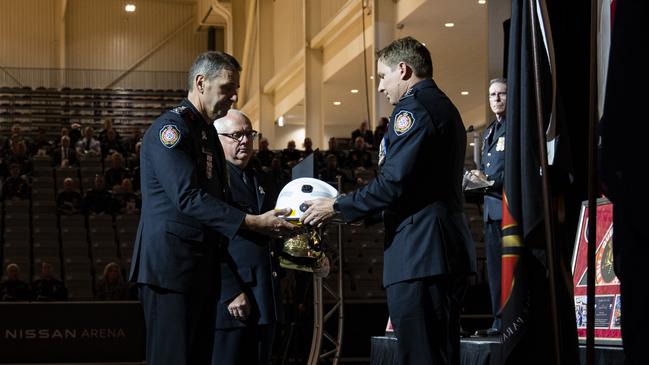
319, 211
270, 223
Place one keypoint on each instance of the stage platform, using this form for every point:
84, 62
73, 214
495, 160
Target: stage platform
478, 350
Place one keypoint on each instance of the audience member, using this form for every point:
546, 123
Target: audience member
111, 286
264, 155
98, 200
19, 156
68, 200
318, 160
13, 289
380, 130
74, 133
15, 186
117, 172
341, 157
88, 145
103, 134
111, 144
48, 288
365, 133
15, 136
278, 174
331, 172
290, 155
41, 146
358, 156
64, 155
126, 201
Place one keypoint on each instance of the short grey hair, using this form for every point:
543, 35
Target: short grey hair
498, 80
210, 64
225, 120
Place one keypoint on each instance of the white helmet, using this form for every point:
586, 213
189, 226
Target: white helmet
295, 193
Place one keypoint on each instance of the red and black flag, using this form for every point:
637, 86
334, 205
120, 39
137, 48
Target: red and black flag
526, 300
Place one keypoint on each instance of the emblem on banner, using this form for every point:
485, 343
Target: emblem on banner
169, 135
403, 122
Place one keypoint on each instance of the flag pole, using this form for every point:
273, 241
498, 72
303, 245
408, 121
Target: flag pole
547, 204
592, 188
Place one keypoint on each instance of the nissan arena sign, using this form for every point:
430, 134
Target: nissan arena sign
71, 332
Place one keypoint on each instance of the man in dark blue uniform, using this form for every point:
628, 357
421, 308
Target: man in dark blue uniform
429, 251
184, 218
493, 169
245, 327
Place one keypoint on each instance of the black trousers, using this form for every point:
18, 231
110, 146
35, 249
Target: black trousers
179, 326
425, 314
494, 250
244, 345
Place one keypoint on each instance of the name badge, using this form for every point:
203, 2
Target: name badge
500, 145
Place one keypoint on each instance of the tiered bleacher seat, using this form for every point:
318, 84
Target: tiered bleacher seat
90, 166
126, 226
16, 246
363, 262
102, 242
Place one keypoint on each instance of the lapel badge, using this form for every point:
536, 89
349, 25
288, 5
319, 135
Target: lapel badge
500, 146
204, 136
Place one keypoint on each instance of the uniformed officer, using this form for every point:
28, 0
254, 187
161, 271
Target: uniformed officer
493, 169
184, 218
429, 251
245, 327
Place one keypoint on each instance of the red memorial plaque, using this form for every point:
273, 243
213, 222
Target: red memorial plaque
607, 285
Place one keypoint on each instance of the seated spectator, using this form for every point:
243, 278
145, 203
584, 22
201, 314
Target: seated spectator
317, 156
98, 200
19, 156
365, 133
380, 130
111, 144
331, 172
358, 156
88, 145
15, 186
41, 146
117, 172
112, 285
103, 133
363, 176
15, 136
126, 200
278, 174
131, 143
135, 167
290, 155
264, 155
68, 201
64, 155
48, 288
13, 289
341, 157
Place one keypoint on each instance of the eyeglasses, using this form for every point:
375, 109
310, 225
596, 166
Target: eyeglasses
238, 136
501, 95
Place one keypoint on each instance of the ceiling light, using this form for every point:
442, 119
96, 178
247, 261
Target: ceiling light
471, 144
354, 91
337, 103
482, 1
280, 121
449, 25
371, 77
464, 93
130, 8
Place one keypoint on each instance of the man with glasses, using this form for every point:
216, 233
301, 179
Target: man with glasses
185, 218
249, 305
493, 169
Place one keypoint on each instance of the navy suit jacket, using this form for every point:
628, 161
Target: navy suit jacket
184, 217
493, 165
419, 188
253, 257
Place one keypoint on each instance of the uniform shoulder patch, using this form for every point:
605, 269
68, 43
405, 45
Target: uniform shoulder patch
169, 135
403, 121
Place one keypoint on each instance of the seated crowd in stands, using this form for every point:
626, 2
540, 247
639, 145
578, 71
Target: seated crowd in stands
110, 285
